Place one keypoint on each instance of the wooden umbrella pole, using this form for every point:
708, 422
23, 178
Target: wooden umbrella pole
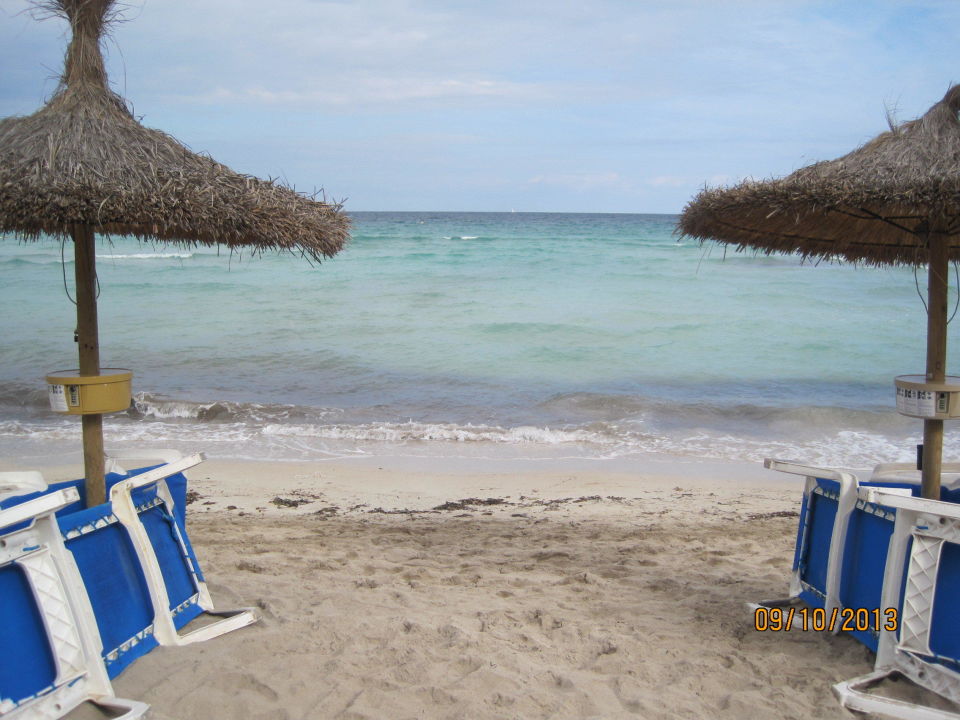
88, 341
936, 359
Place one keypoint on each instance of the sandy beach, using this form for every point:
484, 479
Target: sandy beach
481, 590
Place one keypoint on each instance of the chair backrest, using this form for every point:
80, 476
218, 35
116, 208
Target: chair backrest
922, 582
49, 645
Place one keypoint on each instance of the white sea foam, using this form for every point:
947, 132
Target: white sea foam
147, 256
444, 432
156, 407
55, 258
299, 441
170, 409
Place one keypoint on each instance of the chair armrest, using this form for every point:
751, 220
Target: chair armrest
43, 505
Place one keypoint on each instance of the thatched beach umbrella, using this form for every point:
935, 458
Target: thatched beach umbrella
895, 201
83, 165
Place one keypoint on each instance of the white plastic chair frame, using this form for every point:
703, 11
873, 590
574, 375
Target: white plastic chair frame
62, 601
848, 500
846, 503
125, 511
929, 524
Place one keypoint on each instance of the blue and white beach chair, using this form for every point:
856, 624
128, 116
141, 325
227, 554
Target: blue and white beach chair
854, 541
136, 559
921, 580
50, 649
144, 505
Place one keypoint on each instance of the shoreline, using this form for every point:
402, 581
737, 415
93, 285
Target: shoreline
402, 485
398, 482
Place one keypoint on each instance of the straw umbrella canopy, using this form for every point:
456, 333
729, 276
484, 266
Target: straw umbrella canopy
83, 165
893, 201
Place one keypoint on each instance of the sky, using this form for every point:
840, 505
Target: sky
527, 105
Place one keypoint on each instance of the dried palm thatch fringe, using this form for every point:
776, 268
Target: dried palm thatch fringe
876, 205
84, 160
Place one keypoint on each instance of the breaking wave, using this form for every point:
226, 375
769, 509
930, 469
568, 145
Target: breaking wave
147, 256
284, 432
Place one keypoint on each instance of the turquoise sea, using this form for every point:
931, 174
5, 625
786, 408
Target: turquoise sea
444, 333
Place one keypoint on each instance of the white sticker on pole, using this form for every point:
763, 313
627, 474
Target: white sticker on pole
901, 400
58, 400
926, 403
907, 401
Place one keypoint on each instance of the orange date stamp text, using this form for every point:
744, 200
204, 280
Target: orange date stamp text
777, 619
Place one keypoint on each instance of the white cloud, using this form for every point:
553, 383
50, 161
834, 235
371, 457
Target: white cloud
582, 182
366, 91
668, 181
